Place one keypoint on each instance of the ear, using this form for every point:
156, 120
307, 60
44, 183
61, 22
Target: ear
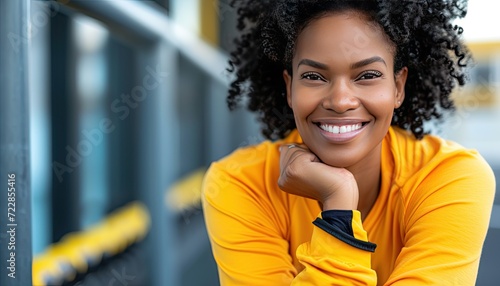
400, 80
288, 82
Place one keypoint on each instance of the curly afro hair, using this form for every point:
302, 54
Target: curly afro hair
425, 41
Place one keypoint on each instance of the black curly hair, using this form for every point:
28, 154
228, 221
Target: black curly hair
425, 41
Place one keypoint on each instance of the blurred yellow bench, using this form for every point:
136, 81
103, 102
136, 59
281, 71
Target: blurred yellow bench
77, 251
185, 194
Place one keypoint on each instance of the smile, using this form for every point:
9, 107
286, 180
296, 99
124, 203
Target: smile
340, 129
336, 131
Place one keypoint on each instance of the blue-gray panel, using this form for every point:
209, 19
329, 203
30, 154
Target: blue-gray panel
489, 274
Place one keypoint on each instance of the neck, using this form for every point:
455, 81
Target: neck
367, 174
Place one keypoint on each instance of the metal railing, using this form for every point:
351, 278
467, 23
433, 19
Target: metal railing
162, 43
15, 194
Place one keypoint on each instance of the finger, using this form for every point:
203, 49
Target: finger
287, 146
286, 150
290, 153
292, 147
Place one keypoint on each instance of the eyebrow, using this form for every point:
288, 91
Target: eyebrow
313, 64
368, 61
355, 65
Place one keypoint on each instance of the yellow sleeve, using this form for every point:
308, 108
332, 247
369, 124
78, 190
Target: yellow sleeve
249, 240
247, 236
330, 261
445, 223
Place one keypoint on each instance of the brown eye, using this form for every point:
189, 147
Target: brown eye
368, 75
312, 76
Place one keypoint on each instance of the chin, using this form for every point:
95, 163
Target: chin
334, 162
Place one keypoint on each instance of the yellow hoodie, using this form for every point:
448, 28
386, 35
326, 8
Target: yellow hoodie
429, 221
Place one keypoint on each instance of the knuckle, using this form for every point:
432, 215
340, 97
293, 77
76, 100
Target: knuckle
281, 182
286, 176
291, 171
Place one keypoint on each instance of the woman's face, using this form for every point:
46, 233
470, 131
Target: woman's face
344, 91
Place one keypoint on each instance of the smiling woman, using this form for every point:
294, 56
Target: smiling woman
389, 204
332, 91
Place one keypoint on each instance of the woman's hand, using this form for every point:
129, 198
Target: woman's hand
303, 174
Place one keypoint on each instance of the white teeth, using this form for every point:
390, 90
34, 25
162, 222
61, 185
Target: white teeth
331, 128
341, 129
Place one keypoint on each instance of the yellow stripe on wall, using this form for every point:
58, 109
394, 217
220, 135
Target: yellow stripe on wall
209, 10
484, 50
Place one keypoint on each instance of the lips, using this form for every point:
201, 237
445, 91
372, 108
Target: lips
341, 130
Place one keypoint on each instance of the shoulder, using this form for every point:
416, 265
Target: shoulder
243, 186
253, 169
244, 164
412, 156
434, 165
253, 159
447, 190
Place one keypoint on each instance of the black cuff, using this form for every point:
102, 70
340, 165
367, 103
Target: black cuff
339, 218
339, 231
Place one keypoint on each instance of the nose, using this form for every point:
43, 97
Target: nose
340, 97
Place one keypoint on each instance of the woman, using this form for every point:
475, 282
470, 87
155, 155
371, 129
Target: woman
353, 192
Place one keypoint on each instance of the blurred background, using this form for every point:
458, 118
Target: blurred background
111, 111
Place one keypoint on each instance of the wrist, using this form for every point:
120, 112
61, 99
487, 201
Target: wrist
336, 205
345, 199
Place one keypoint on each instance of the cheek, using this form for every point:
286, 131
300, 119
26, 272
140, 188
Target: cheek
304, 102
380, 106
